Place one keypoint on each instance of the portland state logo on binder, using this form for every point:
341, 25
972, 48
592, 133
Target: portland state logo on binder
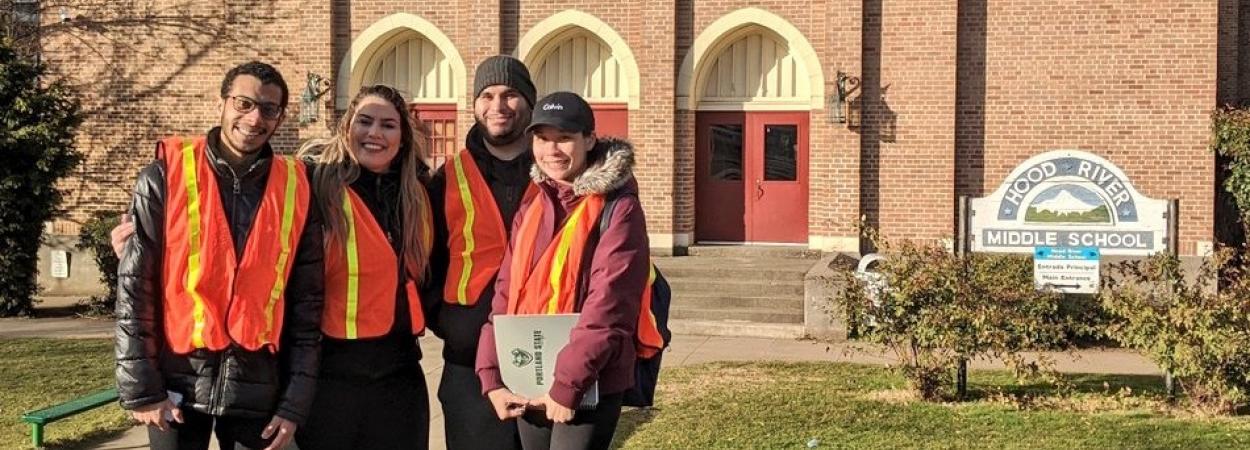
521, 358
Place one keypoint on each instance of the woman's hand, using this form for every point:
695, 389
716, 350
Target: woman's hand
507, 405
555, 412
158, 414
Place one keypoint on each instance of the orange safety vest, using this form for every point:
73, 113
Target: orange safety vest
476, 234
550, 285
360, 292
211, 297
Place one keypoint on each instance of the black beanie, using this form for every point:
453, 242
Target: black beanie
507, 71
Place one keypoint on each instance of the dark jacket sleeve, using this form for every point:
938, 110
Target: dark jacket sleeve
439, 254
301, 333
487, 358
609, 316
139, 329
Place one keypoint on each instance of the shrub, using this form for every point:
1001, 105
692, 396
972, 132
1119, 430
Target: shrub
1230, 138
37, 127
938, 308
95, 238
1196, 332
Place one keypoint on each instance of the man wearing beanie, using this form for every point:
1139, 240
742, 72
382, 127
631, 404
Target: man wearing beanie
475, 196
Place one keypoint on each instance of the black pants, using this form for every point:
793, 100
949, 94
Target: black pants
391, 413
590, 429
197, 428
469, 420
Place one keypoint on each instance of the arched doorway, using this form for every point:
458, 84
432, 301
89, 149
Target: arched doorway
563, 54
412, 55
752, 80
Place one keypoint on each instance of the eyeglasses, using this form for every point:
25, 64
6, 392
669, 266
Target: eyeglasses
245, 104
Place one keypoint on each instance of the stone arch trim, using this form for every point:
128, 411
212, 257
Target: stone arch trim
726, 29
376, 38
553, 29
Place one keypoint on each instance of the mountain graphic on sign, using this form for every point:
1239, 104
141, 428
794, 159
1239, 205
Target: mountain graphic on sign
1068, 203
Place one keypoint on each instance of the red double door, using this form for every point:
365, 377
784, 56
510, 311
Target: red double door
751, 177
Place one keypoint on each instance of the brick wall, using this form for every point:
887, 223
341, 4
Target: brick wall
1131, 83
650, 32
955, 93
150, 69
908, 135
835, 172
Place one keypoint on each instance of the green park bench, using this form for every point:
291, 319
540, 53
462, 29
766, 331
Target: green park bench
39, 418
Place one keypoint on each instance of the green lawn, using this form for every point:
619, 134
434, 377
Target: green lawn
737, 405
782, 405
36, 373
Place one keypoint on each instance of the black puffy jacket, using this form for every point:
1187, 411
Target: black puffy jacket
235, 381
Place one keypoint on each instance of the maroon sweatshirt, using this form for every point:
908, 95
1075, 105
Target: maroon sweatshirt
601, 346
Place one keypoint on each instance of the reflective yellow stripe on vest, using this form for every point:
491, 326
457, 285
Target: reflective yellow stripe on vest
194, 271
353, 267
561, 257
470, 215
288, 222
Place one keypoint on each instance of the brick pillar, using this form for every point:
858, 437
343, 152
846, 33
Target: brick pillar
908, 142
650, 33
315, 53
835, 147
1228, 52
683, 168
480, 34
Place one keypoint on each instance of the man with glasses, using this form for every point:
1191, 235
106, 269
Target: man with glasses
220, 288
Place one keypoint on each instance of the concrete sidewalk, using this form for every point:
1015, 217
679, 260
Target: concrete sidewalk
685, 350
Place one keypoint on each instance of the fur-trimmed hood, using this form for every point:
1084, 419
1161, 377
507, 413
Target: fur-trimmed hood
611, 166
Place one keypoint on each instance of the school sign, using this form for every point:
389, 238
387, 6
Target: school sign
1068, 198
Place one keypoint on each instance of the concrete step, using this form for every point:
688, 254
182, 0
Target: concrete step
737, 287
761, 315
735, 290
722, 301
731, 273
755, 251
736, 328
771, 269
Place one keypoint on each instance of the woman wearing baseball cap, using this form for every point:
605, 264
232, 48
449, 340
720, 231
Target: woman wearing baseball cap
602, 269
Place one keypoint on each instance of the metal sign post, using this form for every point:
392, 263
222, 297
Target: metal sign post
1173, 218
961, 248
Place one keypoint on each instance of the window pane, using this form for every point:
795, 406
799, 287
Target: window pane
781, 143
726, 161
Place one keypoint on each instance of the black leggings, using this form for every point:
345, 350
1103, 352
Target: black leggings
469, 420
391, 413
197, 428
589, 430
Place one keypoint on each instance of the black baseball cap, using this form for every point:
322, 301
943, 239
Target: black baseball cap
563, 110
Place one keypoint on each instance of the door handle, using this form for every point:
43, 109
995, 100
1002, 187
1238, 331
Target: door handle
759, 189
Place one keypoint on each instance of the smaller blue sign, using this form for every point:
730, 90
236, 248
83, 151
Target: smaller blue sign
1066, 253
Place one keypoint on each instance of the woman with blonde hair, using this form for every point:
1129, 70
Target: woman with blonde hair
368, 186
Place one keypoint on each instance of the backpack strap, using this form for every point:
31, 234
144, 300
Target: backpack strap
583, 283
608, 206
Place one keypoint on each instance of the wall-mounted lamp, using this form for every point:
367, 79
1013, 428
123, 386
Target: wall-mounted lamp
840, 113
316, 87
